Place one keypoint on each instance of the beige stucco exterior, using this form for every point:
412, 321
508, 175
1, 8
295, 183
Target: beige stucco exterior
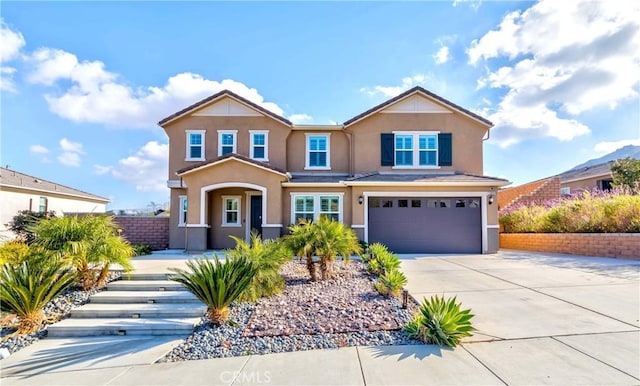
354, 150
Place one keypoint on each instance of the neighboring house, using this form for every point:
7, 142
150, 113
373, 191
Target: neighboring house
586, 178
407, 173
20, 191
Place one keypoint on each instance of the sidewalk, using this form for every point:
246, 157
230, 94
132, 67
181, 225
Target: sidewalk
541, 319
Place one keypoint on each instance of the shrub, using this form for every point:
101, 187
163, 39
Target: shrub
13, 252
217, 284
28, 287
391, 283
268, 257
141, 249
441, 322
300, 241
22, 223
381, 260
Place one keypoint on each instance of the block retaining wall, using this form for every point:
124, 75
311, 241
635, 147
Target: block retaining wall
153, 231
618, 245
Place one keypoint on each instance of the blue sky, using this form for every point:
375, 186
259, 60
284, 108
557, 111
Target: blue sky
83, 84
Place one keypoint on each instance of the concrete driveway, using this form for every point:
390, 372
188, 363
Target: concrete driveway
542, 318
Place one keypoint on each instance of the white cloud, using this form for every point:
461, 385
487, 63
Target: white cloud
71, 152
73, 147
300, 118
608, 147
69, 159
563, 58
391, 91
474, 4
12, 43
99, 96
146, 169
442, 56
38, 149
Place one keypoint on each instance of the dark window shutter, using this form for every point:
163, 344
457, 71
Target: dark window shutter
386, 149
445, 149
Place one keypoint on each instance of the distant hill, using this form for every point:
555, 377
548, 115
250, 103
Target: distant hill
624, 152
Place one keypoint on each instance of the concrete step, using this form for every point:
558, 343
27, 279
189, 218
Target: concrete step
145, 285
132, 310
128, 297
110, 326
146, 276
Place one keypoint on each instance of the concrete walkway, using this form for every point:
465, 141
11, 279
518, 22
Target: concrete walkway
541, 319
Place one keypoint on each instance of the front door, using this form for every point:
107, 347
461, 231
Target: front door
256, 213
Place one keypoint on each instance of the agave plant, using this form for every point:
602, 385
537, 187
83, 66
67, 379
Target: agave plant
27, 288
382, 262
332, 239
391, 283
268, 256
217, 284
301, 240
440, 321
89, 243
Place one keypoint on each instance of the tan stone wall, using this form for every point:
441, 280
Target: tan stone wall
467, 139
153, 231
618, 245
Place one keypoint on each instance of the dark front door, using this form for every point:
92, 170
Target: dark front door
256, 213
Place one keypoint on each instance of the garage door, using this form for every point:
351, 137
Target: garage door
426, 225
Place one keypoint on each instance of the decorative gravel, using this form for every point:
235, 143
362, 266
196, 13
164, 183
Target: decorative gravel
344, 311
56, 309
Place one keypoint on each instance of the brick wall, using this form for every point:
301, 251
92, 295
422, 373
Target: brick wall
153, 231
618, 245
532, 193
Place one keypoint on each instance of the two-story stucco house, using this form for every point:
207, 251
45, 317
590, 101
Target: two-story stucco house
407, 173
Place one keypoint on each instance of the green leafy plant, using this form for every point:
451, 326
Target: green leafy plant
89, 243
217, 284
383, 262
28, 287
391, 283
14, 252
332, 239
23, 222
440, 321
300, 240
268, 256
141, 249
626, 173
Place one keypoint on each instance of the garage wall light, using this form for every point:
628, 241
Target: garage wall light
360, 200
490, 198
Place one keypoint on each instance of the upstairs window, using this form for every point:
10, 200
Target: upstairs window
428, 150
227, 142
195, 145
317, 154
405, 150
259, 145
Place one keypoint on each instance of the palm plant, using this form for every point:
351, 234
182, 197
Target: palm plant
217, 284
268, 256
89, 243
300, 240
29, 286
332, 239
441, 322
391, 283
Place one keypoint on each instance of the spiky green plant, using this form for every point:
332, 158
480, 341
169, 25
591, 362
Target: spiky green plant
382, 262
391, 283
28, 287
217, 284
13, 252
440, 321
300, 241
89, 243
332, 239
268, 256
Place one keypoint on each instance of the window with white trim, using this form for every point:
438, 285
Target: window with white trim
259, 145
43, 204
312, 206
227, 142
195, 145
415, 149
318, 151
182, 219
231, 211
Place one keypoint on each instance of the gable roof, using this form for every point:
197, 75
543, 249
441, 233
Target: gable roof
426, 93
228, 157
220, 95
13, 179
